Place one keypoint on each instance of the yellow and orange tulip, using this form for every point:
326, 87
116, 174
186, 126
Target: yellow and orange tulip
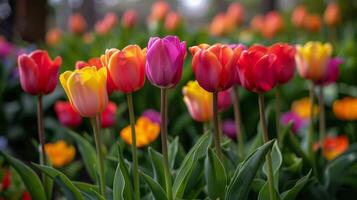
334, 146
60, 153
302, 108
346, 108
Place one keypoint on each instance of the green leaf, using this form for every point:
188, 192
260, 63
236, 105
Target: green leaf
215, 175
155, 187
292, 143
157, 166
276, 164
88, 190
197, 152
122, 188
241, 181
87, 152
173, 149
28, 176
70, 191
294, 191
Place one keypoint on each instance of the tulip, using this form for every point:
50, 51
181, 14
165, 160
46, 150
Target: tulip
126, 67
332, 72
105, 25
273, 23
77, 24
297, 122
60, 153
96, 62
66, 115
257, 23
312, 59
88, 38
256, 68
334, 146
229, 129
146, 130
53, 37
286, 63
302, 107
108, 115
235, 11
153, 115
86, 90
312, 23
198, 101
165, 58
159, 10
5, 47
172, 21
213, 66
298, 16
129, 18
224, 100
38, 73
345, 109
218, 25
6, 180
332, 15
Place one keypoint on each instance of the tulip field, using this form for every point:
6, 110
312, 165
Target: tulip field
244, 106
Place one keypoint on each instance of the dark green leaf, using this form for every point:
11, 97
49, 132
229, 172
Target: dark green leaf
215, 175
241, 181
88, 190
157, 191
28, 176
294, 191
122, 188
158, 166
173, 149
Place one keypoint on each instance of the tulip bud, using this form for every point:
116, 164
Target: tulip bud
198, 101
66, 115
159, 10
256, 68
172, 21
213, 66
86, 90
38, 73
108, 115
126, 67
165, 58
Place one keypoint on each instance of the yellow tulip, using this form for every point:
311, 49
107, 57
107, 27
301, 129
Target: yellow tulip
86, 90
311, 60
198, 101
302, 107
60, 153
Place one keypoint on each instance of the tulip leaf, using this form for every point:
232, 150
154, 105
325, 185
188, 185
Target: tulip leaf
197, 152
89, 191
243, 177
294, 191
173, 149
215, 175
122, 188
87, 152
292, 143
157, 191
28, 176
69, 190
158, 167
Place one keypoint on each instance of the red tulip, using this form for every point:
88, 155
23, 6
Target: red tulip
108, 115
213, 66
286, 58
6, 180
38, 73
256, 68
66, 115
224, 100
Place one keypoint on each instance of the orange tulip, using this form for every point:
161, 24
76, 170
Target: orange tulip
235, 11
257, 23
312, 23
60, 153
298, 16
159, 10
217, 27
302, 108
126, 67
334, 146
53, 36
77, 24
346, 108
332, 15
172, 21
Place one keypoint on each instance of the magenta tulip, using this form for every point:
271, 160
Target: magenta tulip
332, 72
164, 63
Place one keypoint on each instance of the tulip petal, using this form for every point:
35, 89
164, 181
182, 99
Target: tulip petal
264, 74
29, 75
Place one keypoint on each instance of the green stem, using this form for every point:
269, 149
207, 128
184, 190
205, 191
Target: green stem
41, 133
95, 121
217, 142
322, 122
266, 139
238, 121
133, 146
206, 127
168, 182
310, 138
278, 114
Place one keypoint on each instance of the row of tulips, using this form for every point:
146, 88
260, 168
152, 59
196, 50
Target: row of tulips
217, 68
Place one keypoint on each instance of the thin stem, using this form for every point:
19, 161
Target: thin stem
41, 133
206, 127
266, 139
278, 114
217, 142
95, 121
310, 138
133, 147
322, 122
168, 182
238, 122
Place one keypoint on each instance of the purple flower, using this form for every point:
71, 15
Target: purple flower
229, 129
332, 71
164, 61
153, 115
295, 119
5, 48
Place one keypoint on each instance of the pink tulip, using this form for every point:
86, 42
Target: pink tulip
66, 115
